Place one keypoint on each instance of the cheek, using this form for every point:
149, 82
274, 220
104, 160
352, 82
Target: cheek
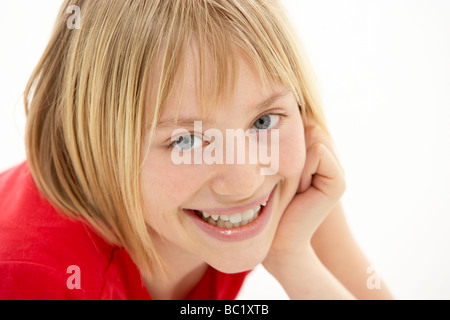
166, 186
292, 153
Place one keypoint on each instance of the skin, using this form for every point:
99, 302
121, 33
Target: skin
309, 184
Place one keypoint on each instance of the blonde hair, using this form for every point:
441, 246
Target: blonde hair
85, 101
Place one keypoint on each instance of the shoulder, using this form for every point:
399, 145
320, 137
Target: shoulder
31, 280
41, 250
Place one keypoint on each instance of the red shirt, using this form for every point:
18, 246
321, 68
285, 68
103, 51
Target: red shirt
45, 255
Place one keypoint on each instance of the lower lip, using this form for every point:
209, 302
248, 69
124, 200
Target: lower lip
236, 234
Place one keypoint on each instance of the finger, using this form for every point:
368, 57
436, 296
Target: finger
315, 134
322, 171
321, 185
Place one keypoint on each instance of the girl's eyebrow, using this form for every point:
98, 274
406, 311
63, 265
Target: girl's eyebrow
189, 122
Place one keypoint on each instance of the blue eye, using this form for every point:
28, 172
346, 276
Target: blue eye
191, 141
267, 121
187, 142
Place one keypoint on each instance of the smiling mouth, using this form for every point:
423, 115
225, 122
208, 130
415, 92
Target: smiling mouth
234, 223
230, 221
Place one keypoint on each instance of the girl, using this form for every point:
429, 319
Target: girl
101, 211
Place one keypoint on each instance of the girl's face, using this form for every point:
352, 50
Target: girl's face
230, 234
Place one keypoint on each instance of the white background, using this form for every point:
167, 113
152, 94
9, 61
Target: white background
384, 72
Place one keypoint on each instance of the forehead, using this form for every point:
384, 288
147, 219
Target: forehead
203, 86
191, 88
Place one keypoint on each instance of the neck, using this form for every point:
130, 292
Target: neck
183, 272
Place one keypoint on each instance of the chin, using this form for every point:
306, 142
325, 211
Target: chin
235, 267
238, 260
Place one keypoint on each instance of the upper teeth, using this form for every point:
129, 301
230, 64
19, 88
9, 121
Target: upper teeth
232, 220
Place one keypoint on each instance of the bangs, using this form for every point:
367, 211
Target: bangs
220, 32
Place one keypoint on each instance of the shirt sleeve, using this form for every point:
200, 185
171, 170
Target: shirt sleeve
32, 281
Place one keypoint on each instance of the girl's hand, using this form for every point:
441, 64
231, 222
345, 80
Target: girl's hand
321, 186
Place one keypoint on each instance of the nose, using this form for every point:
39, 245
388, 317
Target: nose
241, 177
238, 181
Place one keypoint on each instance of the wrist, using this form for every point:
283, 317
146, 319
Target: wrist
303, 276
285, 262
